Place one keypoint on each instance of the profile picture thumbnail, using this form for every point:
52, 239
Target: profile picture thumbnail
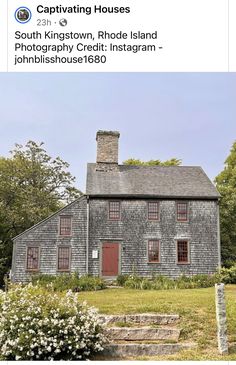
23, 15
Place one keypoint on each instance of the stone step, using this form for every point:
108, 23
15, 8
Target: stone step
142, 333
146, 318
135, 350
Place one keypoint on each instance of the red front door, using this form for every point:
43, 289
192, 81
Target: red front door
110, 259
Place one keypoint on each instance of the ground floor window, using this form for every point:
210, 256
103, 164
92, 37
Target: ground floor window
32, 261
182, 252
154, 251
63, 258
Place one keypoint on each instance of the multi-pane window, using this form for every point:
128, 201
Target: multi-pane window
114, 210
182, 212
63, 255
153, 251
182, 252
32, 262
153, 210
65, 226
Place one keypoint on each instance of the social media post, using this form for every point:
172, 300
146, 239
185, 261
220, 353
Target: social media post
117, 181
116, 190
129, 36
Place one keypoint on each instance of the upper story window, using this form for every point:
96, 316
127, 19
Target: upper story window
182, 252
153, 210
32, 260
114, 210
65, 226
182, 211
63, 258
154, 251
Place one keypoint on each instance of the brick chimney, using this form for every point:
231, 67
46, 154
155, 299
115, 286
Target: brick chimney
107, 150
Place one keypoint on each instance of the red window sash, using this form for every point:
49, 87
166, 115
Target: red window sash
32, 258
65, 226
182, 252
114, 210
63, 258
182, 212
153, 210
154, 251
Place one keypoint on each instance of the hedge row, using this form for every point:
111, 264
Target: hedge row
161, 282
72, 282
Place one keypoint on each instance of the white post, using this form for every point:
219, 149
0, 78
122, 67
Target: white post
221, 319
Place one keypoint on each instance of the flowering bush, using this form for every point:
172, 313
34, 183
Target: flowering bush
36, 324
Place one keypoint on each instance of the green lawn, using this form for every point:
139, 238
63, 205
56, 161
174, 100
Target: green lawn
196, 308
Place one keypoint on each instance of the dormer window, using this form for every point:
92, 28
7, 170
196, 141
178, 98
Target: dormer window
65, 225
114, 210
153, 211
182, 211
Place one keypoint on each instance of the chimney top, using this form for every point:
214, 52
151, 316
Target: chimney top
107, 150
107, 133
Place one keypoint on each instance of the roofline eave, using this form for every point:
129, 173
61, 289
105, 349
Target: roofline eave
151, 196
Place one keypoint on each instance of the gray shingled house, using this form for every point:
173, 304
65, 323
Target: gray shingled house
143, 219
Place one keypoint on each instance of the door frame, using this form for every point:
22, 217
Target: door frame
118, 242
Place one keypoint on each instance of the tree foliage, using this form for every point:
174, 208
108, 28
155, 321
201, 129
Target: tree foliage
226, 185
137, 162
33, 185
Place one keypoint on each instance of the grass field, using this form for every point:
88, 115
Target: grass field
196, 308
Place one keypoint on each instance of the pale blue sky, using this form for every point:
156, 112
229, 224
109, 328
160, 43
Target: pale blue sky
159, 115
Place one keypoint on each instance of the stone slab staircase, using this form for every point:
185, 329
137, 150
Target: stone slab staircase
146, 334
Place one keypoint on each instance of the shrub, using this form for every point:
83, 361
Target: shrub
72, 282
162, 282
228, 275
38, 324
121, 279
133, 282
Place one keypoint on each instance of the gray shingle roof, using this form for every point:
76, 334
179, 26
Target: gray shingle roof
156, 181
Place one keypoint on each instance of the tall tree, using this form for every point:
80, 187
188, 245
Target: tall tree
226, 185
171, 162
33, 185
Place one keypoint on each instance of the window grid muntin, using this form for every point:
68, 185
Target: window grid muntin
63, 260
182, 212
182, 251
32, 258
154, 251
65, 226
153, 210
114, 210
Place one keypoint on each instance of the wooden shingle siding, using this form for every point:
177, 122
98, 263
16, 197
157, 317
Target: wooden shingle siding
46, 235
134, 231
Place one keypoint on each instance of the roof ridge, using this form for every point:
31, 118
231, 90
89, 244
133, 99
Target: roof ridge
155, 166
